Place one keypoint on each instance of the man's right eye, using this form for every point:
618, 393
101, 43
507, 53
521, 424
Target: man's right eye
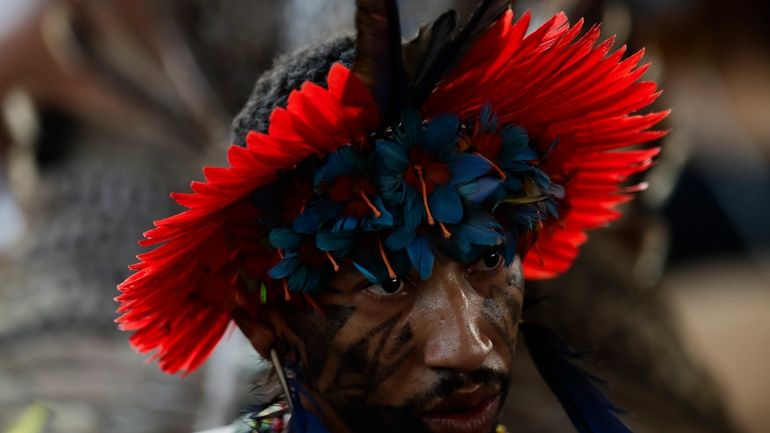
389, 287
490, 261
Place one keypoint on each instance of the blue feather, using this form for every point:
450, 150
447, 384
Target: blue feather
556, 190
478, 191
515, 139
338, 243
445, 204
541, 179
411, 131
392, 189
298, 280
479, 228
302, 420
365, 272
285, 239
346, 224
414, 211
513, 184
465, 167
392, 155
587, 407
488, 118
552, 208
461, 249
441, 135
421, 256
344, 161
285, 267
400, 238
385, 219
314, 216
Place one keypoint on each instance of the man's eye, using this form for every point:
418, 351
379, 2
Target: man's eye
490, 260
389, 287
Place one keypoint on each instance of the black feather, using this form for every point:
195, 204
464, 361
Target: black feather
378, 60
428, 44
446, 51
577, 390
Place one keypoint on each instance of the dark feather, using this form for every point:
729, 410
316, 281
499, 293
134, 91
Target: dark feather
446, 51
486, 14
429, 43
378, 60
577, 390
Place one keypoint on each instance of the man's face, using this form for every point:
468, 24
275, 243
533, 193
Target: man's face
411, 355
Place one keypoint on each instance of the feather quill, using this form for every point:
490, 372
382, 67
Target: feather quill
378, 63
577, 390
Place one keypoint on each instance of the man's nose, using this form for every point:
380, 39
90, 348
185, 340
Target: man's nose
452, 317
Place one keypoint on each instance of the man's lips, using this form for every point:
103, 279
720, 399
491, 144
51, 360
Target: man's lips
474, 411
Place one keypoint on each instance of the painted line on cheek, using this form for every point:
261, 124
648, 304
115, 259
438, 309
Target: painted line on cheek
405, 335
362, 372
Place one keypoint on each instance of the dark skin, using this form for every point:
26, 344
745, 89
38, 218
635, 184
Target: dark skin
381, 357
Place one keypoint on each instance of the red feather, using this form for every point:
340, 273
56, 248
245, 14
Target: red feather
558, 85
180, 299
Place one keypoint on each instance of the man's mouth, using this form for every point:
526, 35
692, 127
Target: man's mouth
472, 411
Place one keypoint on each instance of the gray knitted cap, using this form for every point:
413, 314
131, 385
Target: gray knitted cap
288, 73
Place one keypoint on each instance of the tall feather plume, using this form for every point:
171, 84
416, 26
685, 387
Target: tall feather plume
428, 44
442, 50
378, 62
577, 390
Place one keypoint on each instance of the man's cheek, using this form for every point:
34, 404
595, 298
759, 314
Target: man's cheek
371, 361
501, 312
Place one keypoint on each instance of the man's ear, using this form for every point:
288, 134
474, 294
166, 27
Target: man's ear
260, 333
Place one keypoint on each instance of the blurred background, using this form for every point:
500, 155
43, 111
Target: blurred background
106, 106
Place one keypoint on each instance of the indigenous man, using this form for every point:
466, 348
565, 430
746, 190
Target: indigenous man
381, 207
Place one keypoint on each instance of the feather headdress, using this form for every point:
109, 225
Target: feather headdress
458, 140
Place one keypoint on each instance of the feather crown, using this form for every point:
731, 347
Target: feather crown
457, 141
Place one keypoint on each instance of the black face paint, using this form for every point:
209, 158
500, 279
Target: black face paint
405, 335
357, 374
317, 333
367, 364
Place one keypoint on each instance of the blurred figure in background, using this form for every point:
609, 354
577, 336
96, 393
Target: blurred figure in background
110, 104
105, 110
